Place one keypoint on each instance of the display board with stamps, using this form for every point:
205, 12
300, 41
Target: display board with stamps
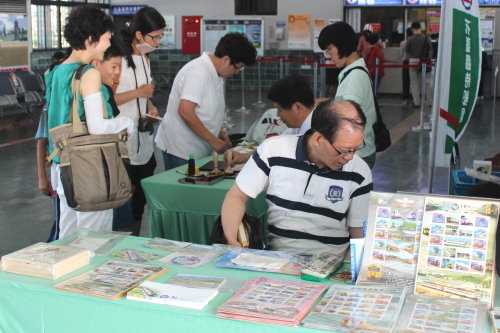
457, 248
391, 245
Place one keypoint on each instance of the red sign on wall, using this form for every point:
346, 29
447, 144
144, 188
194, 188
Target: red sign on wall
377, 27
434, 27
433, 13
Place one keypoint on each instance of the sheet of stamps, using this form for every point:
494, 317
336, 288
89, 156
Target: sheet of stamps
457, 248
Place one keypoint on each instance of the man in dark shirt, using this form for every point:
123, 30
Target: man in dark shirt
419, 46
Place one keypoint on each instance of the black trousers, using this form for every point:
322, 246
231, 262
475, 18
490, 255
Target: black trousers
406, 80
136, 174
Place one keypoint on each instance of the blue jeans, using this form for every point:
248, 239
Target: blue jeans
170, 161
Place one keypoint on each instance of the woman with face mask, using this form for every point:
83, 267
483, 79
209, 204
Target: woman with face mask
142, 35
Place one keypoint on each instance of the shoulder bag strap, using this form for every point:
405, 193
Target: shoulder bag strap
377, 110
75, 88
424, 48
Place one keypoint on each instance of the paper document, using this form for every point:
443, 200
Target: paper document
157, 118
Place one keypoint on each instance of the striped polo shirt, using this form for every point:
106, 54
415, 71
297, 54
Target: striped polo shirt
319, 204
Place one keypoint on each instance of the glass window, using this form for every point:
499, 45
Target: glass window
387, 22
48, 20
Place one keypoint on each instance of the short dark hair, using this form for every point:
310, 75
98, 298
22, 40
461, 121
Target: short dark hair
416, 25
341, 35
434, 36
58, 56
86, 21
372, 39
409, 32
146, 20
328, 118
115, 50
237, 47
291, 89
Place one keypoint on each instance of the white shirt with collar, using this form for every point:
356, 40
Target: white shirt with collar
305, 198
306, 125
197, 82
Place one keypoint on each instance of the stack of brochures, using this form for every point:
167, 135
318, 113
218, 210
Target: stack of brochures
170, 294
271, 301
357, 309
46, 261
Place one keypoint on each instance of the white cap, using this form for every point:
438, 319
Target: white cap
368, 26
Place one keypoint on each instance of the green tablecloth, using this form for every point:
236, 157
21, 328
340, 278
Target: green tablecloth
31, 305
187, 212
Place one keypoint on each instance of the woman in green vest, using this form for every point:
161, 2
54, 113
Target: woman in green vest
88, 31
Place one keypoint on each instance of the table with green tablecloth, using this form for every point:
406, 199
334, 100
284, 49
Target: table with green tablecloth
187, 212
32, 305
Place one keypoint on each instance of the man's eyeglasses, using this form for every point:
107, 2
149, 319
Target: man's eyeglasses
238, 69
345, 153
155, 38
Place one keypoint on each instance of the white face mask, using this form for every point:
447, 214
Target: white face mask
144, 48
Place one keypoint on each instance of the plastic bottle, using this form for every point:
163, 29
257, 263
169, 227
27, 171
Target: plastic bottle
191, 166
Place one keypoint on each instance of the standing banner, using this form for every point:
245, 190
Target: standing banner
457, 81
299, 32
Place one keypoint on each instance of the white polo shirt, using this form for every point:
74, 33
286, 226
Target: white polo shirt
197, 82
306, 125
305, 198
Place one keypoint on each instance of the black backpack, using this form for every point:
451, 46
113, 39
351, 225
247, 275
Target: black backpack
252, 226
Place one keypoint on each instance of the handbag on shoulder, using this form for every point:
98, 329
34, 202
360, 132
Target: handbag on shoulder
382, 134
92, 167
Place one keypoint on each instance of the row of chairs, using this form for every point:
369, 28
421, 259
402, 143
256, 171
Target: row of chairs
19, 93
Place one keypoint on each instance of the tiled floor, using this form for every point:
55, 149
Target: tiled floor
26, 216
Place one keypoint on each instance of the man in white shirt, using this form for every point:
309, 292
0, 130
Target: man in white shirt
192, 124
317, 187
294, 100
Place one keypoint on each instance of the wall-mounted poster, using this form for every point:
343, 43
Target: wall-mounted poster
214, 29
13, 28
168, 40
319, 24
372, 2
299, 31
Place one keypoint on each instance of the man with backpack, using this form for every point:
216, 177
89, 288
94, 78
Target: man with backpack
419, 48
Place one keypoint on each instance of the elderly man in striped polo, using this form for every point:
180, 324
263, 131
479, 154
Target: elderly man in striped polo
317, 187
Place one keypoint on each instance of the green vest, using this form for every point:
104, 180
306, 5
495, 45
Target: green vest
60, 98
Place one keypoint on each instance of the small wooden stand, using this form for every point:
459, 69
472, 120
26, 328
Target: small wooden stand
228, 170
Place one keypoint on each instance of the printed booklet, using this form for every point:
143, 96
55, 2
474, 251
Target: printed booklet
169, 294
